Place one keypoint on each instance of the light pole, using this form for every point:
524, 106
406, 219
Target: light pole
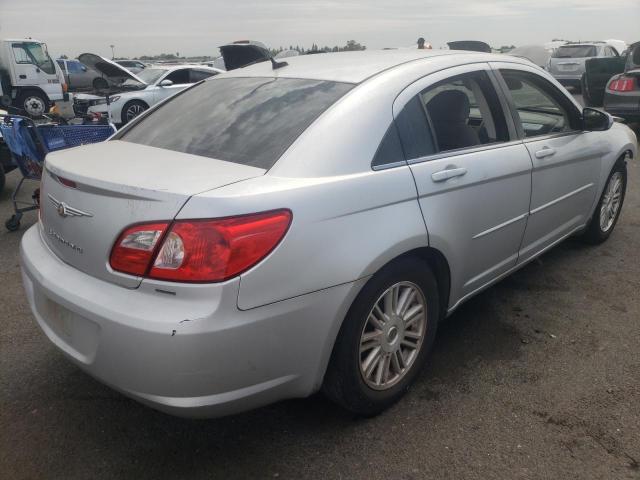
113, 55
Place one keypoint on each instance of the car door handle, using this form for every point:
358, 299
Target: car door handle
447, 173
545, 152
22, 76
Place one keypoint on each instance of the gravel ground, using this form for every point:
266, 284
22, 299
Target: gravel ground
538, 377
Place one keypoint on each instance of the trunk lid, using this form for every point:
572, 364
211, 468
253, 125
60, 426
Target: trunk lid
90, 194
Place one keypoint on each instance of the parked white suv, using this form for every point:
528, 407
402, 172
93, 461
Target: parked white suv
567, 63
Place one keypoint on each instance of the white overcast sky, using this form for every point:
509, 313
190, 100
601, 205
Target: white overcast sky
197, 27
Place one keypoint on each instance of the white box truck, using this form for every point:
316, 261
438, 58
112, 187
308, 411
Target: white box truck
29, 79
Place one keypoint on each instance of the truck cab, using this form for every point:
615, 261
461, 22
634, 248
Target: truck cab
29, 79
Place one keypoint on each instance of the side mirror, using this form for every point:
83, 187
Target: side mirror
595, 120
165, 83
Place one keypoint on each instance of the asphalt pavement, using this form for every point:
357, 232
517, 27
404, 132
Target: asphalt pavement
537, 377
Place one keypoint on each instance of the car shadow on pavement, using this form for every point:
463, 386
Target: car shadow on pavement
487, 334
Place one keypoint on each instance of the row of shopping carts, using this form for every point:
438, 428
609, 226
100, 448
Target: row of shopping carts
29, 142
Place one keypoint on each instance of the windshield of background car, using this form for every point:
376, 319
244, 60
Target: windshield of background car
251, 121
575, 51
149, 76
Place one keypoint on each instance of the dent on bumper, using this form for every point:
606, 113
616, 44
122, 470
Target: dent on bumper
190, 354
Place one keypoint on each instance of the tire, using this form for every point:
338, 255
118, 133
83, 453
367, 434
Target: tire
33, 102
131, 110
2, 179
100, 83
602, 224
350, 380
13, 224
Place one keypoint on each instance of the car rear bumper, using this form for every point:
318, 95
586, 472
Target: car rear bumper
191, 354
625, 105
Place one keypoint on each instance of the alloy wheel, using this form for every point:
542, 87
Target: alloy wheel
133, 111
392, 335
611, 202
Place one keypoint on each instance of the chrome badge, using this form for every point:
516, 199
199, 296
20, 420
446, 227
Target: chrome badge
65, 210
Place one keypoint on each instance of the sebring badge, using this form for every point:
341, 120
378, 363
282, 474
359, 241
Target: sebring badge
65, 210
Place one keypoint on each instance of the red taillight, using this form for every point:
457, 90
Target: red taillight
200, 250
135, 248
623, 84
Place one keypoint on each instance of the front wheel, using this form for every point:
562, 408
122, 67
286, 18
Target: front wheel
607, 211
132, 109
385, 338
34, 103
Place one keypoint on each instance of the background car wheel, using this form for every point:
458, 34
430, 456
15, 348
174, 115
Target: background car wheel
34, 103
132, 109
385, 338
607, 211
100, 84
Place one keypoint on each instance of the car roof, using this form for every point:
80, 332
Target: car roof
172, 67
356, 67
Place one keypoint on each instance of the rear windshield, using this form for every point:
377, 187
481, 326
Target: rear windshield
251, 121
575, 51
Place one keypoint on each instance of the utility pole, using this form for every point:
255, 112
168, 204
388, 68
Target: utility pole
113, 55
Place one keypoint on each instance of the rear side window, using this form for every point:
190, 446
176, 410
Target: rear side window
197, 75
390, 149
414, 130
251, 121
179, 77
464, 112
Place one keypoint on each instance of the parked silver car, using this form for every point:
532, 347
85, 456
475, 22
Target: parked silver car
286, 228
567, 63
80, 77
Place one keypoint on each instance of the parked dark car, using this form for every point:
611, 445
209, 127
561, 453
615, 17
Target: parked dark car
622, 93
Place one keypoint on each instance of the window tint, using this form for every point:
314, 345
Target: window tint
414, 131
390, 150
20, 54
243, 120
464, 111
575, 51
197, 75
178, 77
542, 108
74, 67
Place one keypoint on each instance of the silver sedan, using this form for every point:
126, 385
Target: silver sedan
305, 225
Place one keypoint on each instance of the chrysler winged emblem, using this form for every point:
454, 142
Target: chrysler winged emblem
65, 210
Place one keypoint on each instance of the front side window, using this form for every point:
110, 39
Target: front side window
542, 108
251, 121
75, 67
33, 53
179, 77
20, 54
464, 111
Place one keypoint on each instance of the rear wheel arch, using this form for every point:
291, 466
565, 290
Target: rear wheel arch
440, 267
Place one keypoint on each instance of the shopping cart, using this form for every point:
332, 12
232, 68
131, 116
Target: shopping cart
29, 143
